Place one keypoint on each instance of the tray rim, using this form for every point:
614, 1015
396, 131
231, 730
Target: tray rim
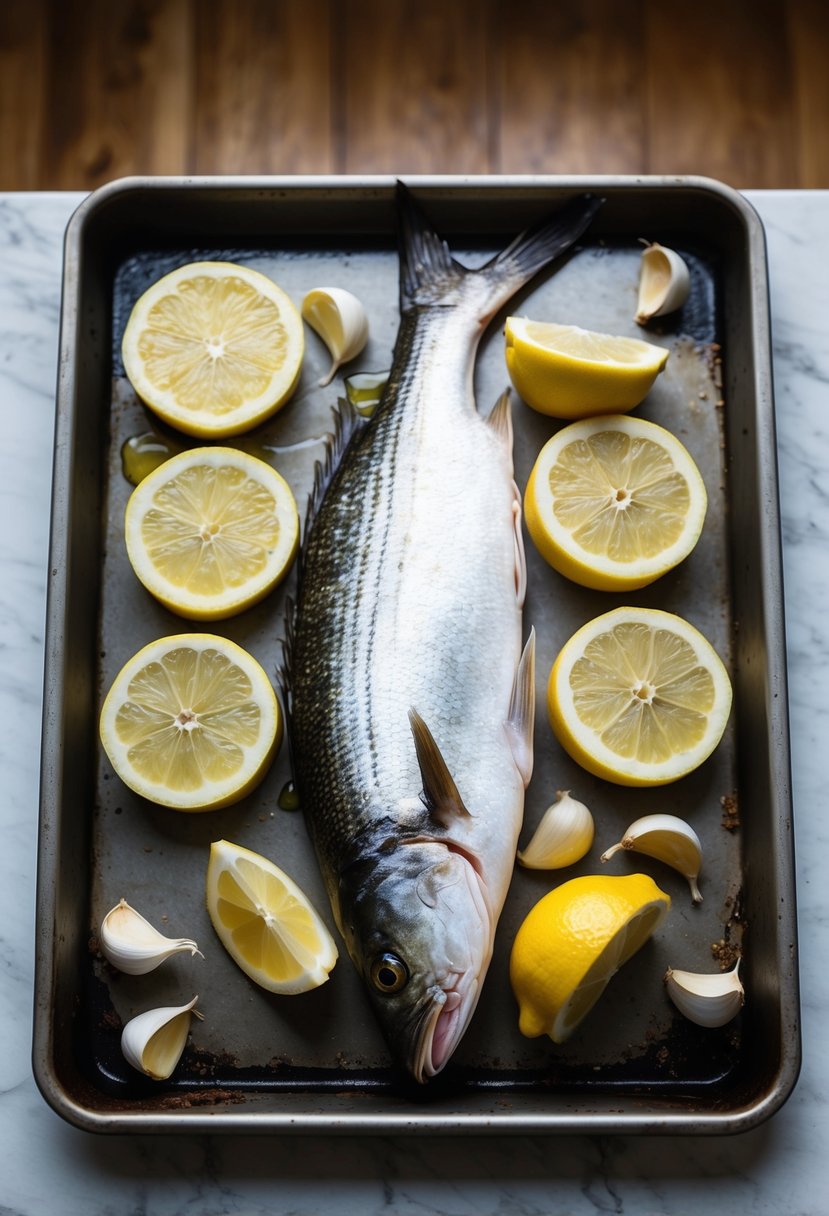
421, 1119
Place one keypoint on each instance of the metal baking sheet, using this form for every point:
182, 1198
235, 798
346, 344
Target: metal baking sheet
317, 1062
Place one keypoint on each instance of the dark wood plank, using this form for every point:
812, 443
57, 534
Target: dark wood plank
569, 87
119, 91
720, 92
23, 28
414, 87
808, 23
263, 98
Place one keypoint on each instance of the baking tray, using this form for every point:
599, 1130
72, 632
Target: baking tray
316, 1062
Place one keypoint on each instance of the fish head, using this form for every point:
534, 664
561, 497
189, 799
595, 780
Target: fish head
420, 931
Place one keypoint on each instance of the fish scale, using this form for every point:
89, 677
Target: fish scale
410, 749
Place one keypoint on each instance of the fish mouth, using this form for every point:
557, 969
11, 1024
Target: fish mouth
443, 1023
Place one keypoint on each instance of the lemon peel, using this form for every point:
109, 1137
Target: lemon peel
266, 922
571, 944
569, 372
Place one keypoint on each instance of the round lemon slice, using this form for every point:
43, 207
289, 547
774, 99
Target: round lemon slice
570, 372
211, 532
638, 697
614, 502
214, 348
265, 922
572, 943
191, 722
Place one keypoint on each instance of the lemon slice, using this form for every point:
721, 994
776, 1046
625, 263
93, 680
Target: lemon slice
570, 372
265, 922
214, 348
639, 697
191, 722
211, 532
572, 943
614, 502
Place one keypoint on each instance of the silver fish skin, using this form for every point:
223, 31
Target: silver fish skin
411, 705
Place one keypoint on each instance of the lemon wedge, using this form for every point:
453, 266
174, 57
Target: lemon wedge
214, 348
639, 697
211, 532
570, 372
265, 922
191, 722
572, 943
614, 502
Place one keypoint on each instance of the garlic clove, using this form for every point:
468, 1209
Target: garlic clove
129, 942
153, 1042
708, 1000
668, 839
340, 320
664, 283
563, 836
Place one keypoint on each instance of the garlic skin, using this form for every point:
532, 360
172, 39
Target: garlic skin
664, 283
707, 1000
668, 839
563, 836
153, 1041
129, 942
340, 320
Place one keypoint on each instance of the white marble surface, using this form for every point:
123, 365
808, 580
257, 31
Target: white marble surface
46, 1165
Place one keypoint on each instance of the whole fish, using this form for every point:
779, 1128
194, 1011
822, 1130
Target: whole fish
411, 702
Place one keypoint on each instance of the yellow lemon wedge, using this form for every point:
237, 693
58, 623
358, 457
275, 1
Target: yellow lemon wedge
211, 532
265, 922
191, 722
638, 697
614, 502
569, 372
214, 348
572, 943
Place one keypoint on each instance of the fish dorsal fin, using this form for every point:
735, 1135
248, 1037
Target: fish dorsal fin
440, 793
521, 717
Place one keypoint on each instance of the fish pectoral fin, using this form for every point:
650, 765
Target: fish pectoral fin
499, 419
440, 793
520, 552
521, 718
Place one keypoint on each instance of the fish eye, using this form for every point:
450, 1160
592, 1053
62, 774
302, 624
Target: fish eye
389, 973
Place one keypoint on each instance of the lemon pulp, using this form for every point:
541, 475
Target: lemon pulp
211, 532
639, 697
614, 502
214, 348
191, 722
265, 921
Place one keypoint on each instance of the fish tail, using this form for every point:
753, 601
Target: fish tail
429, 274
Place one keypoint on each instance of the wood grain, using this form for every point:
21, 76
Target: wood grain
808, 24
23, 32
91, 90
414, 86
569, 87
119, 90
263, 79
720, 92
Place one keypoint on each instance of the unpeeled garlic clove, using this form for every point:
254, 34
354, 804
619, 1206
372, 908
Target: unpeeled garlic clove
131, 944
664, 283
340, 320
152, 1042
563, 836
708, 1000
668, 839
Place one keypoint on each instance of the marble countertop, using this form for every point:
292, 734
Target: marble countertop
47, 1165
